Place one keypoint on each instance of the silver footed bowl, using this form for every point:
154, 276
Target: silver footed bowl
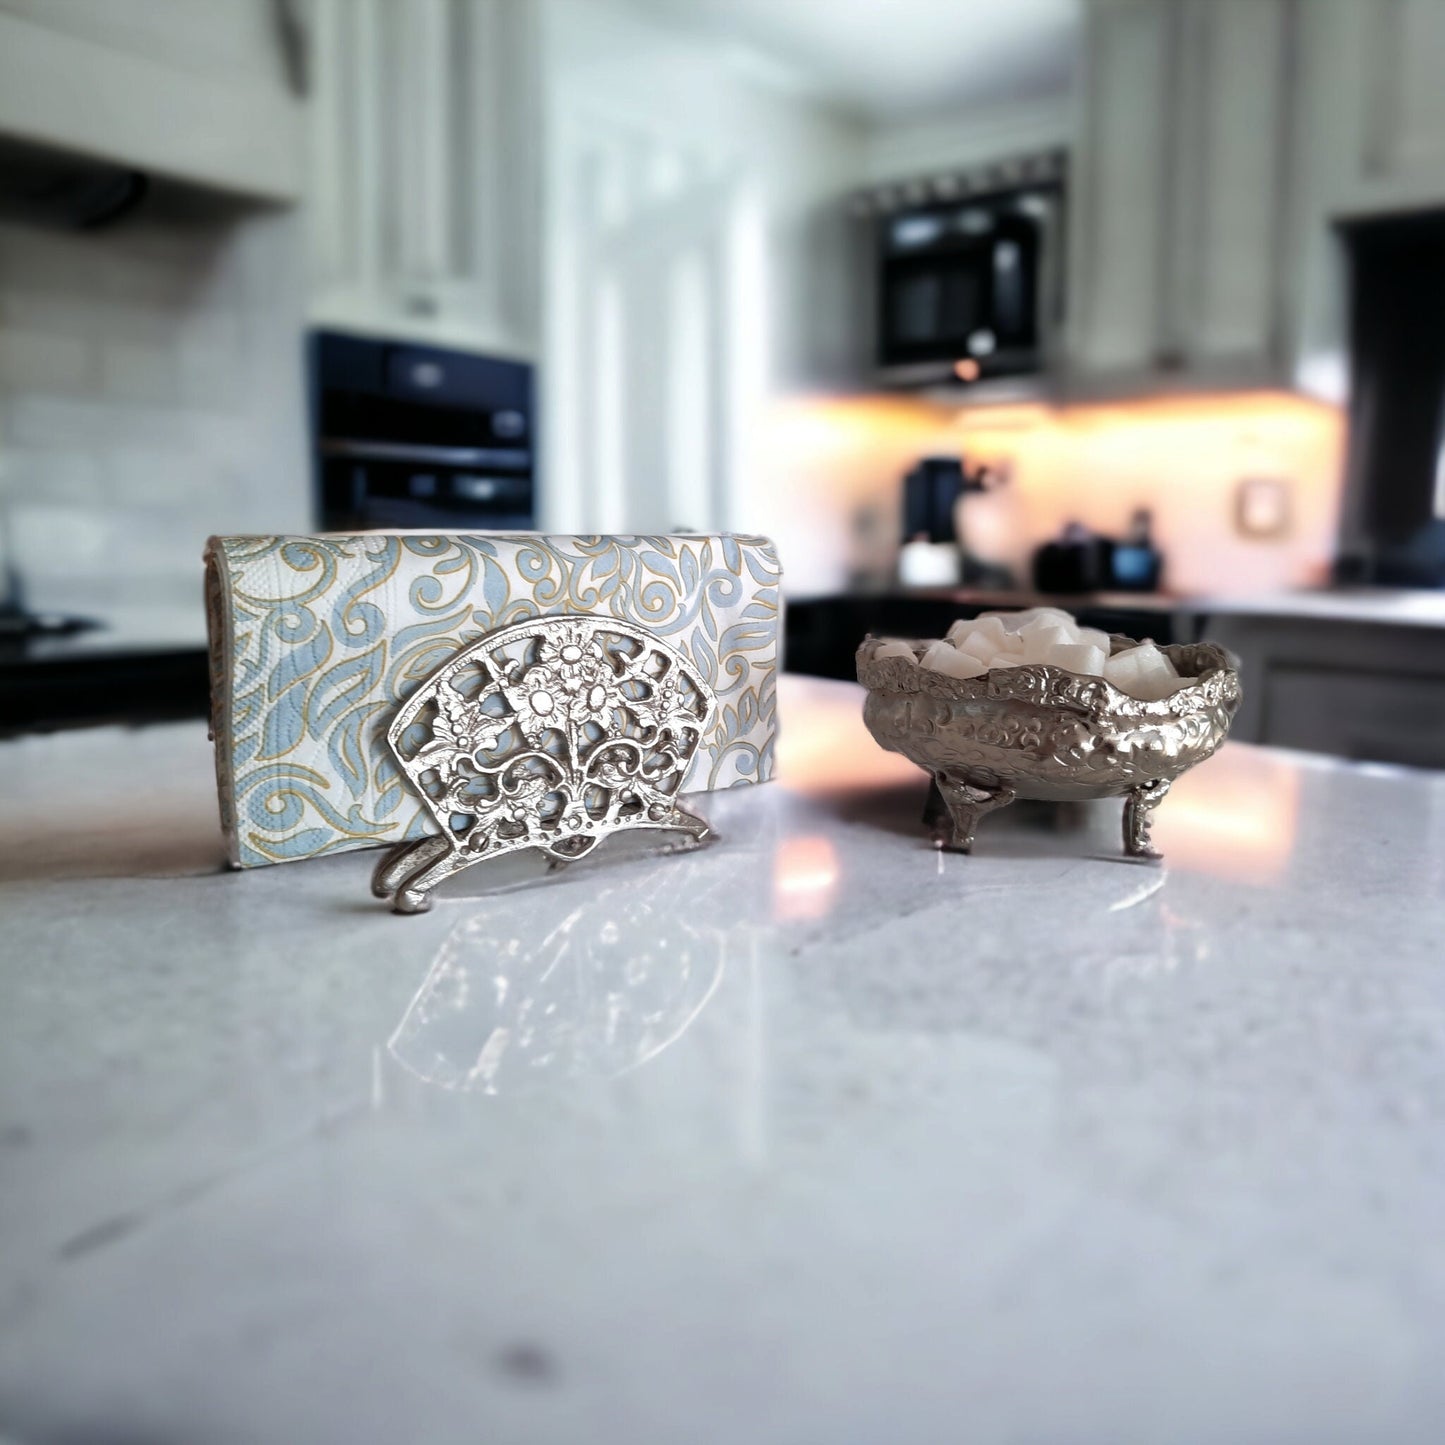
1044, 732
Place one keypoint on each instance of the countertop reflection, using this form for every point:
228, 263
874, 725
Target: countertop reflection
517, 999
811, 1134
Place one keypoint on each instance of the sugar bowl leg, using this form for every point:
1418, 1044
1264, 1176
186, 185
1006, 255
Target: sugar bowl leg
964, 803
1139, 805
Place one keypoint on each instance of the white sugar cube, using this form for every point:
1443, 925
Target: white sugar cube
1048, 622
1143, 672
893, 647
1143, 661
987, 627
1154, 663
1122, 669
1033, 617
1079, 657
1157, 687
1043, 635
1039, 643
977, 645
1153, 689
1011, 622
945, 658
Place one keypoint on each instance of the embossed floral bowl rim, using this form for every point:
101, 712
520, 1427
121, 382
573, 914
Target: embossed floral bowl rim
1040, 731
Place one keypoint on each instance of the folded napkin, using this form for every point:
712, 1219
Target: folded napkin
315, 640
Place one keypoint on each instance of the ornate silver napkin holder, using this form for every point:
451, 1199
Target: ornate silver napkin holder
552, 734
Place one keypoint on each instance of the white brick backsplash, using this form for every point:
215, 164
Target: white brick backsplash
45, 361
57, 543
140, 371
102, 424
52, 313
211, 362
58, 478
62, 262
150, 479
143, 405
144, 542
29, 420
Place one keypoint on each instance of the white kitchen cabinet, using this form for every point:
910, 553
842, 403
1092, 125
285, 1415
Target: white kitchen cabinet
426, 170
1372, 123
1368, 112
1397, 103
1116, 196
1179, 193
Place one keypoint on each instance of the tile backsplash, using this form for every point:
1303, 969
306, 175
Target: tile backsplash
151, 393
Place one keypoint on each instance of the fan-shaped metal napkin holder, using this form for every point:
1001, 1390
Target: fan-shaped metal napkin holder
553, 734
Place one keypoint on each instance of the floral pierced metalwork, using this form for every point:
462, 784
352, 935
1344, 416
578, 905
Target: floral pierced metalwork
551, 734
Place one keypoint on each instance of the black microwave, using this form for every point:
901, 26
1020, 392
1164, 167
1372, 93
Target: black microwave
969, 289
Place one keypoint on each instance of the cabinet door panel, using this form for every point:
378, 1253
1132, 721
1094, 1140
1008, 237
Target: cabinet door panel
1120, 222
1181, 193
1404, 116
1233, 83
1380, 717
426, 194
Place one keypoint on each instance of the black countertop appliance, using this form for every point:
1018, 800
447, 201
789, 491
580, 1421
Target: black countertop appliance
421, 436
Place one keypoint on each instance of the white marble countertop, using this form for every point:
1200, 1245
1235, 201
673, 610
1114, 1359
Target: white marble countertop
815, 1135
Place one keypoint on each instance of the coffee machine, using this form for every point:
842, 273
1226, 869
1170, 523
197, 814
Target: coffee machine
935, 551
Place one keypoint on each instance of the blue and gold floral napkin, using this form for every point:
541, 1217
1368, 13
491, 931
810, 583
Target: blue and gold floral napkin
315, 640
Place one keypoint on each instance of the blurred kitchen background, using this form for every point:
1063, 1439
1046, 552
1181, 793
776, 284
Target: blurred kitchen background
1139, 303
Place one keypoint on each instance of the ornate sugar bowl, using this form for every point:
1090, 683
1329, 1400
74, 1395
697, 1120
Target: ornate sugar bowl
1043, 732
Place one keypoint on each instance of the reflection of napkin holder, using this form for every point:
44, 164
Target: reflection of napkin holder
552, 734
608, 988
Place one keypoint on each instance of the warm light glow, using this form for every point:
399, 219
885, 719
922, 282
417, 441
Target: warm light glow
822, 745
805, 877
836, 467
1015, 416
1236, 817
967, 369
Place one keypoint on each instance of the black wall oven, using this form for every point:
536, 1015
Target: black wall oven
421, 436
969, 288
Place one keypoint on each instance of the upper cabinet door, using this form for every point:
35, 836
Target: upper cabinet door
427, 170
1119, 223
1395, 96
1179, 192
1223, 306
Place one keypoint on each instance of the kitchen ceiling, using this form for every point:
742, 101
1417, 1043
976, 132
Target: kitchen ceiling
888, 60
